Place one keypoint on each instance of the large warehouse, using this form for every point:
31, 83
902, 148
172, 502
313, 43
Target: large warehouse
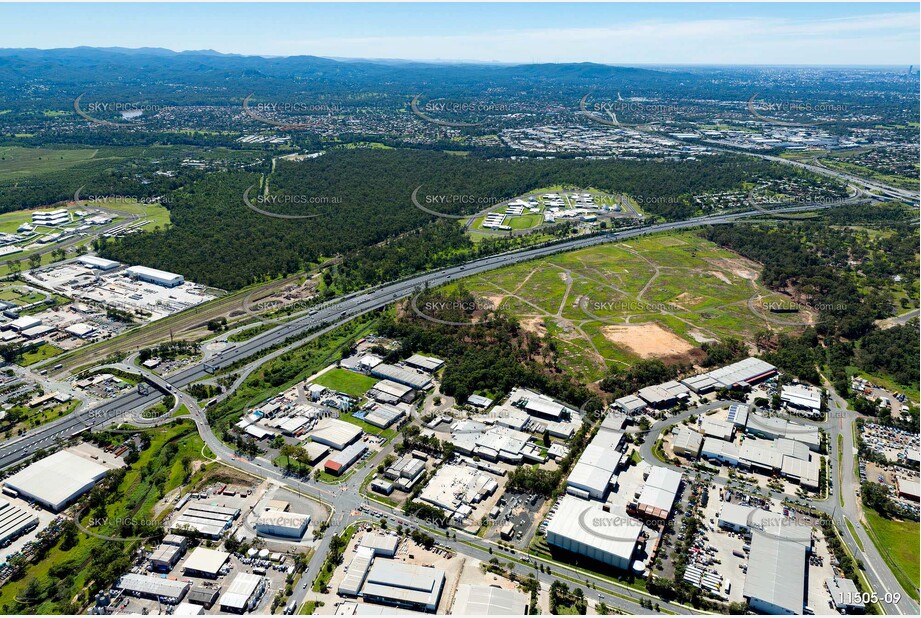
152, 275
335, 433
14, 522
473, 600
57, 480
584, 528
282, 524
776, 578
404, 585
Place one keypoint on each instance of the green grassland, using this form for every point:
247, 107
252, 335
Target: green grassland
685, 284
345, 381
898, 542
17, 162
157, 215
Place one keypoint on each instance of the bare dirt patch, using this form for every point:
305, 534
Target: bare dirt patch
740, 267
687, 300
647, 340
493, 299
722, 277
534, 325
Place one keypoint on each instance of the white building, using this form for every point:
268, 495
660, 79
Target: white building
584, 528
155, 276
57, 480
282, 524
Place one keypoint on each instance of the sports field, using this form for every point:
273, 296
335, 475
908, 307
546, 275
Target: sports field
653, 297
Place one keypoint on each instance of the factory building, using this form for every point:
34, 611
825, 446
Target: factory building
58, 480
335, 433
424, 363
343, 460
721, 451
402, 375
664, 395
383, 415
583, 527
157, 277
686, 442
630, 405
715, 428
592, 475
659, 493
153, 587
772, 428
243, 593
204, 562
844, 595
776, 578
205, 520
282, 524
742, 374
97, 263
14, 522
539, 405
404, 585
390, 392
381, 544
802, 397
165, 557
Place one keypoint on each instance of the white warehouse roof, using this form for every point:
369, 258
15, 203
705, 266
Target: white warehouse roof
776, 574
57, 479
488, 601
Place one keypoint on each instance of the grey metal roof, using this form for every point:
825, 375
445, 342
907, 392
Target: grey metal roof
776, 572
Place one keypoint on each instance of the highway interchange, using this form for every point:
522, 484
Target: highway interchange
346, 504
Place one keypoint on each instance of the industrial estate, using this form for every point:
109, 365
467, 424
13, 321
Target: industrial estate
411, 338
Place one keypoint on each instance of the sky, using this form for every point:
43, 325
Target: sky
617, 33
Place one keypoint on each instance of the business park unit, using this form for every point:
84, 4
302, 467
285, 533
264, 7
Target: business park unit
494, 443
283, 524
584, 527
471, 600
658, 495
205, 562
153, 587
57, 480
402, 375
243, 593
208, 520
773, 428
592, 475
404, 585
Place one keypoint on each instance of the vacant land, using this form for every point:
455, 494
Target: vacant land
657, 296
898, 542
16, 162
345, 381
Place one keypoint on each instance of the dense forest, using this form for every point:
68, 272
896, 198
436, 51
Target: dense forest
850, 275
362, 198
